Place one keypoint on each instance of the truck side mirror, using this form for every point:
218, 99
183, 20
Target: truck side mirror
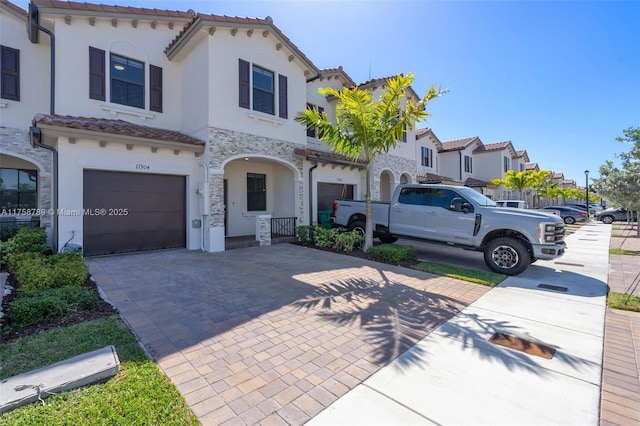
459, 205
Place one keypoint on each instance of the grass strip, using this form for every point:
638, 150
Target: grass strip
487, 278
623, 252
622, 301
138, 394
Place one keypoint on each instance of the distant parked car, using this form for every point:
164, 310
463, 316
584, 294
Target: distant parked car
569, 214
593, 208
610, 215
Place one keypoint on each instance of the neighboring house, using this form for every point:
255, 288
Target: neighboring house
520, 161
492, 161
456, 158
427, 147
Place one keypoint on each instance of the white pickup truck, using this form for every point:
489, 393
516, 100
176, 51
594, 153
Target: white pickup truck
511, 239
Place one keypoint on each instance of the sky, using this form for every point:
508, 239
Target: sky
559, 79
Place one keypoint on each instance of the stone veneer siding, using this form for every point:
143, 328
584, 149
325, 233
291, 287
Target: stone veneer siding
227, 144
16, 142
394, 164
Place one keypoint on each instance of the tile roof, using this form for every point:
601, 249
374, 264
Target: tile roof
459, 144
421, 132
434, 178
493, 147
109, 9
558, 176
117, 127
327, 157
531, 166
332, 71
373, 83
475, 183
206, 20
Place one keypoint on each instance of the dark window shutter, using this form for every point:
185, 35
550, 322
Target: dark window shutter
96, 74
244, 84
10, 73
282, 97
155, 88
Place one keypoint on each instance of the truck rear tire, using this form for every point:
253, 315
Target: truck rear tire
358, 226
506, 255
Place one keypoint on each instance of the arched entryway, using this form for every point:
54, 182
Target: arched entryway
387, 185
255, 186
405, 178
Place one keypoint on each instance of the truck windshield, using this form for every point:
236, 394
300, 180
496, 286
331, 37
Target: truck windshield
479, 198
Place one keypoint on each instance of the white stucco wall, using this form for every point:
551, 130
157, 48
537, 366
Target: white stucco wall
34, 73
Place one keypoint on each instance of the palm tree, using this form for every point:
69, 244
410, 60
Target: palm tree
366, 127
519, 181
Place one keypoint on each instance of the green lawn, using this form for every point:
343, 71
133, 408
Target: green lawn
487, 278
623, 301
138, 394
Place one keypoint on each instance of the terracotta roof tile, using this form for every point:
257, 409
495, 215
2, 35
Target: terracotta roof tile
339, 70
98, 8
494, 146
382, 81
531, 166
327, 156
475, 183
459, 144
119, 127
434, 178
421, 132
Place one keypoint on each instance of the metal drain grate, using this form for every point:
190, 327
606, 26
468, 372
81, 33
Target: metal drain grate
569, 264
553, 287
526, 346
587, 239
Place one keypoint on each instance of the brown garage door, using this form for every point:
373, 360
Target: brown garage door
154, 217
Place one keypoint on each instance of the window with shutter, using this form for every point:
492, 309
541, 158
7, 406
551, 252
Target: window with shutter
244, 84
9, 73
97, 74
155, 88
282, 96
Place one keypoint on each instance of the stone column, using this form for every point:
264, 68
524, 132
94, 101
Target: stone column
263, 229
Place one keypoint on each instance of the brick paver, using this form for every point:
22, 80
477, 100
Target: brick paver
273, 335
620, 397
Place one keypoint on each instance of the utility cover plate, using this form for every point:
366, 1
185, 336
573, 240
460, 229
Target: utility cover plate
522, 345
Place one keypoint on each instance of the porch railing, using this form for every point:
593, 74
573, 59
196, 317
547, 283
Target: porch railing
283, 227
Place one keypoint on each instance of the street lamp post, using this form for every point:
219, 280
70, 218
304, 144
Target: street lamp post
586, 175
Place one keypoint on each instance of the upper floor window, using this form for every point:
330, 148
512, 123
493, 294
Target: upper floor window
427, 157
257, 90
18, 189
468, 164
127, 81
127, 78
311, 132
9, 73
506, 163
522, 167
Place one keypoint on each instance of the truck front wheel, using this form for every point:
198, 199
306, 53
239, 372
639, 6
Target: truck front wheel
506, 255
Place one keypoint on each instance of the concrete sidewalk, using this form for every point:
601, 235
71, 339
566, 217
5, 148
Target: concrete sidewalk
461, 378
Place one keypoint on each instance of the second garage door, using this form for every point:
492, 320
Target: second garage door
127, 212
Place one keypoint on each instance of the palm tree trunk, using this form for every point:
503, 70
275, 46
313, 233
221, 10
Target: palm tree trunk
368, 235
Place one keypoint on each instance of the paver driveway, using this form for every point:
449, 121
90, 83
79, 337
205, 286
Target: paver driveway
273, 335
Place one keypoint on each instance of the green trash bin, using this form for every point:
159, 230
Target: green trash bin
323, 218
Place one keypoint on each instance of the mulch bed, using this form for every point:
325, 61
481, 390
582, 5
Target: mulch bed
102, 309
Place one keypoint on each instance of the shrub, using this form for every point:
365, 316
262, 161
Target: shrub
68, 269
348, 241
35, 271
48, 305
392, 253
325, 238
30, 240
32, 270
304, 234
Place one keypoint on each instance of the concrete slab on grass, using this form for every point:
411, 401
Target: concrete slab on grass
82, 370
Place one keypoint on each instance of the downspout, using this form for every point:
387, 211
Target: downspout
35, 134
311, 169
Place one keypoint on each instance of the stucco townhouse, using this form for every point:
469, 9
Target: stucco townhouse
130, 129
